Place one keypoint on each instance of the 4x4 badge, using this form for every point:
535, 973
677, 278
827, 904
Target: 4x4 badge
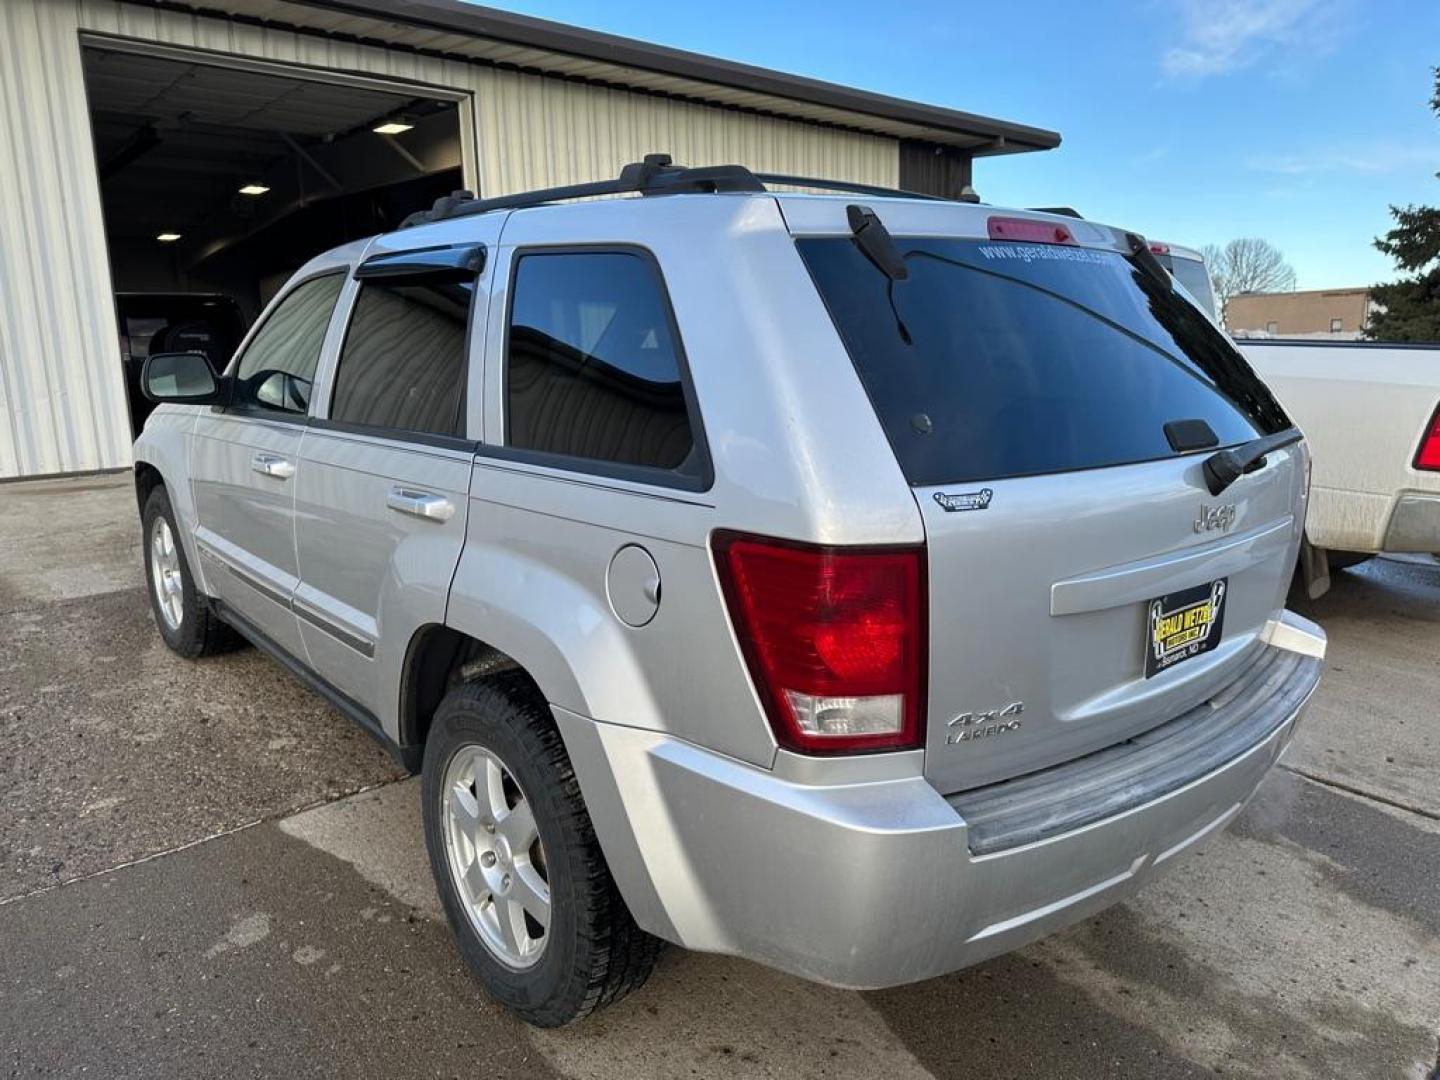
972, 500
969, 726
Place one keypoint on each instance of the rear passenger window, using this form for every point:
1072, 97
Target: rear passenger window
592, 364
403, 362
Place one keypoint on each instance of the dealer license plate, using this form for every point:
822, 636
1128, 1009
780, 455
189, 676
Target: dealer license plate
1184, 624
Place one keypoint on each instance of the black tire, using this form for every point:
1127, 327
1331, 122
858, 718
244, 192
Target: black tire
1343, 560
594, 953
200, 631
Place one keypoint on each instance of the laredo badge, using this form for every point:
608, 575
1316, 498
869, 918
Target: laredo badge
1183, 624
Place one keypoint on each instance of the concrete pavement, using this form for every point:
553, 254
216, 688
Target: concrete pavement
205, 870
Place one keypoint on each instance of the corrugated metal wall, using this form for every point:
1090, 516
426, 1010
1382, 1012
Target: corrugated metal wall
535, 131
62, 398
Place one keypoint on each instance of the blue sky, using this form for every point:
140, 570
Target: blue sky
1194, 121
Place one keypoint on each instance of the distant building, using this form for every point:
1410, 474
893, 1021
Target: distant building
1322, 313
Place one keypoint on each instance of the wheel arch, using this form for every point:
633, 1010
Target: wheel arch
147, 479
440, 657
437, 658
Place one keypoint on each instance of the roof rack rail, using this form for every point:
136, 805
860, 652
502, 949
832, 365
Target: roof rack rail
653, 176
844, 185
656, 175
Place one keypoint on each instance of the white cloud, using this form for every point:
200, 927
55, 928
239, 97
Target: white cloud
1220, 36
1371, 158
1150, 156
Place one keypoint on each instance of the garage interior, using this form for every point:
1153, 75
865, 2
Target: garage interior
218, 182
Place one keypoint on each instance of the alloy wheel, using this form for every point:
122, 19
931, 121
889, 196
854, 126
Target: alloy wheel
496, 860
167, 578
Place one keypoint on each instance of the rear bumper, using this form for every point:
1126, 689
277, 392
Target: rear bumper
875, 884
1414, 524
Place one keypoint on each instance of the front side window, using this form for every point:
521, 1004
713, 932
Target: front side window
277, 369
995, 360
403, 362
592, 363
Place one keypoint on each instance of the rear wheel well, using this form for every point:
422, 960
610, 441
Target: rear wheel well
439, 658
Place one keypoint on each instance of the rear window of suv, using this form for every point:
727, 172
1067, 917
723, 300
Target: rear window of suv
994, 360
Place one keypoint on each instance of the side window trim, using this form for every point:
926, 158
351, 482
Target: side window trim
355, 287
232, 369
396, 435
704, 480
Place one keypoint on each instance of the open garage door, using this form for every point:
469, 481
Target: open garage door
218, 182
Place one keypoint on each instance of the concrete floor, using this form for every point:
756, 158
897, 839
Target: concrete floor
204, 870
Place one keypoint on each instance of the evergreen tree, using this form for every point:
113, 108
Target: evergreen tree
1410, 308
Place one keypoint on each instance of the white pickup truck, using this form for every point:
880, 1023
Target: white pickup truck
1369, 412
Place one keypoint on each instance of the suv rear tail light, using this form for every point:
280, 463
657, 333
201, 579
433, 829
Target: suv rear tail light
1428, 456
1028, 230
1159, 249
834, 639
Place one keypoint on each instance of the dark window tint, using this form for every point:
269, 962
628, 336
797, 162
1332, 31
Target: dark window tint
999, 359
278, 366
592, 363
403, 362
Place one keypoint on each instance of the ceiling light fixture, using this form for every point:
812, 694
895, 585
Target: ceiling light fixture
168, 237
392, 127
254, 189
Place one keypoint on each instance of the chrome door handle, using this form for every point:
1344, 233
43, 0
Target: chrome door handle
273, 465
423, 504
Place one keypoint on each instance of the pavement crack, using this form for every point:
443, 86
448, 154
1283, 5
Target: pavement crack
1350, 789
5, 901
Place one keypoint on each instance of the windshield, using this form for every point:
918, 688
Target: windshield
994, 360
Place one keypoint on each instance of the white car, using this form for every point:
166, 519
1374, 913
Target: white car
1369, 412
1188, 266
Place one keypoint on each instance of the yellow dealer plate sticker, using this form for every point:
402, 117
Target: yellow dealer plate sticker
1183, 624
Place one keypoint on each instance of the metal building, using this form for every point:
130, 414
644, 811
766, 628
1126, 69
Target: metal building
166, 161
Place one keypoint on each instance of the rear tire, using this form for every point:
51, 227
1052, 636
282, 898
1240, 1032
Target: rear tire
588, 951
183, 615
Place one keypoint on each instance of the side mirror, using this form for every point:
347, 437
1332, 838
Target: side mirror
184, 377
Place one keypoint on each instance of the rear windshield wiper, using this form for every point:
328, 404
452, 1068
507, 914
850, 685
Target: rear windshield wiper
1224, 467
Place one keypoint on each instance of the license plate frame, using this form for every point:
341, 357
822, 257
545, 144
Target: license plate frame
1184, 624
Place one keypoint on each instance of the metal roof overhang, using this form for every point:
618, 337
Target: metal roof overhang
454, 29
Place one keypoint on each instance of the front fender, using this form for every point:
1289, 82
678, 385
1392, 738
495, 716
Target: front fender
164, 445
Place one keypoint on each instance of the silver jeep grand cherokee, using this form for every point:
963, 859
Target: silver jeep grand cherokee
863, 584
